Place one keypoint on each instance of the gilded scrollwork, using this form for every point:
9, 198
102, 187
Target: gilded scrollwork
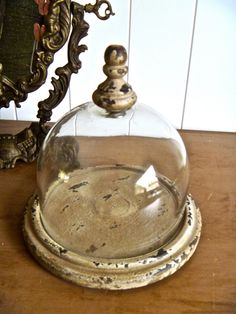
57, 23
79, 30
95, 8
57, 28
50, 36
21, 146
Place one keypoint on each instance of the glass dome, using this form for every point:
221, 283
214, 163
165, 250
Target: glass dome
112, 187
111, 209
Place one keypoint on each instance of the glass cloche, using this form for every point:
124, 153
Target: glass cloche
111, 209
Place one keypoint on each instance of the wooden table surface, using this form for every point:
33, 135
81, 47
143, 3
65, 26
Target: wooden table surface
206, 284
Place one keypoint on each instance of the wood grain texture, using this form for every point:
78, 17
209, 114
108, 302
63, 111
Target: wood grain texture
206, 284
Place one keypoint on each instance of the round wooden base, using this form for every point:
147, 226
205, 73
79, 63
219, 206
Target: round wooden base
113, 274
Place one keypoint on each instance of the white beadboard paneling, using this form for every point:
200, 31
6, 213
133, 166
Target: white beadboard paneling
160, 42
211, 97
29, 108
8, 113
101, 34
161, 33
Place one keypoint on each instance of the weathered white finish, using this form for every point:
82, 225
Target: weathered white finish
112, 273
194, 89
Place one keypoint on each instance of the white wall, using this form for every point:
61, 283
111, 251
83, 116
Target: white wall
182, 61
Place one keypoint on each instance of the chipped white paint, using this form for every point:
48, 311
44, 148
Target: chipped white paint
113, 274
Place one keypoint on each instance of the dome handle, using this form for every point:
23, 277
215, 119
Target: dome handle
115, 95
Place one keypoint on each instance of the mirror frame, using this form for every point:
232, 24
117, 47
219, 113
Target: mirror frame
57, 23
26, 144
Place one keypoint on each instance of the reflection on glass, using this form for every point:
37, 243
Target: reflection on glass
148, 182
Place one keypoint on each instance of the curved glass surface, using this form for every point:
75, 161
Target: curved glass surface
112, 187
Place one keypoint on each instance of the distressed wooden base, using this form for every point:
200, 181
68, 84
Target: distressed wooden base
114, 274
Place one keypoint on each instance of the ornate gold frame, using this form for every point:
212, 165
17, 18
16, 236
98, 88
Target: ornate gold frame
26, 144
58, 23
